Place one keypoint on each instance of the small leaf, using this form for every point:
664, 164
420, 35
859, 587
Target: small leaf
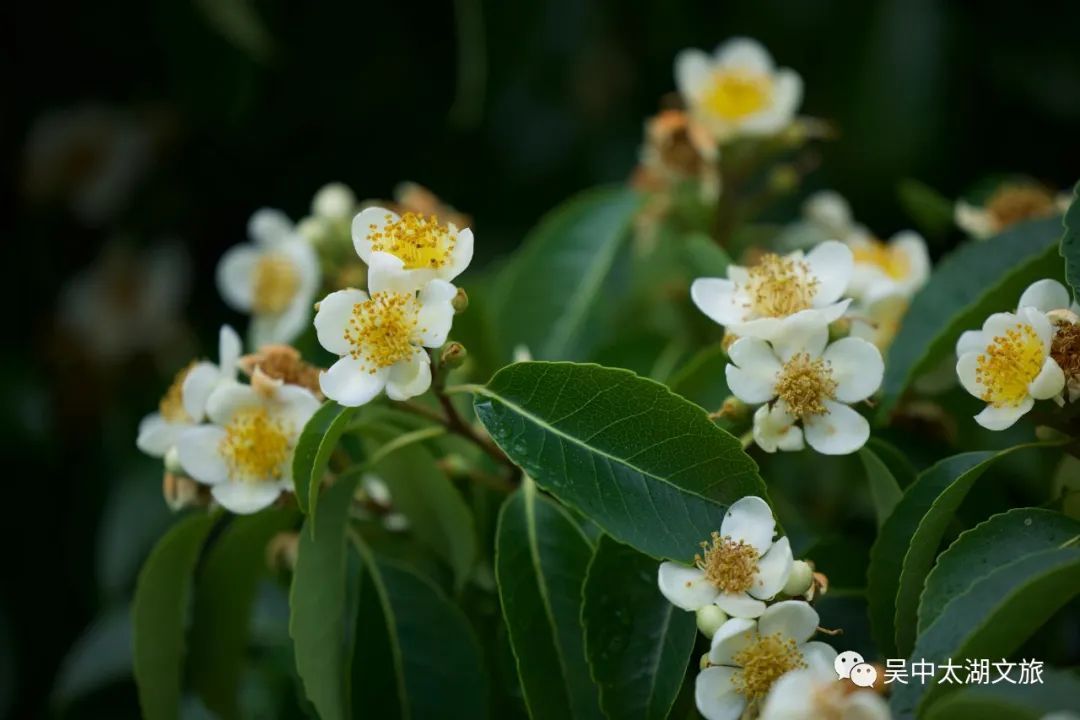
638, 644
541, 558
317, 603
158, 616
551, 295
317, 441
975, 280
884, 490
931, 211
992, 618
642, 463
1006, 701
224, 593
977, 552
1070, 243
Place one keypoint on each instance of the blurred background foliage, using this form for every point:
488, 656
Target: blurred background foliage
141, 136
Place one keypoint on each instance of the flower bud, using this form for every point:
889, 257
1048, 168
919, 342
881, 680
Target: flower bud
783, 179
704, 661
282, 550
172, 461
460, 302
800, 579
453, 355
182, 492
732, 409
334, 201
709, 620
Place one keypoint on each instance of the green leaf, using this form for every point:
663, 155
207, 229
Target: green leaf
975, 280
224, 593
318, 439
977, 552
884, 490
317, 603
1005, 701
642, 463
702, 378
100, 657
551, 296
638, 644
541, 557
704, 257
992, 618
1070, 243
931, 211
415, 654
158, 616
896, 460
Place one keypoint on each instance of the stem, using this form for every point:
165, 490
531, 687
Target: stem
401, 441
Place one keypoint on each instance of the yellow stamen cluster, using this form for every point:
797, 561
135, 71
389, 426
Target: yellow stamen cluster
780, 286
804, 384
276, 282
420, 242
1011, 204
255, 446
762, 662
1008, 366
736, 94
729, 565
890, 261
171, 405
382, 329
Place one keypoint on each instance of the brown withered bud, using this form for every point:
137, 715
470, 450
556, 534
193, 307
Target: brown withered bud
182, 492
1065, 349
1015, 202
281, 363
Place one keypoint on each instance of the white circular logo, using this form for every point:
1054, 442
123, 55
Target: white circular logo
845, 661
864, 675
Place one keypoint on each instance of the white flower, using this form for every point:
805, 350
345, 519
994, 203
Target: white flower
184, 403
901, 266
274, 278
245, 455
411, 247
808, 382
738, 91
381, 337
760, 301
741, 568
331, 210
878, 320
828, 210
815, 692
1008, 365
748, 657
1046, 296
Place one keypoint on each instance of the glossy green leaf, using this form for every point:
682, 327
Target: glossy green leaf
554, 295
159, 614
1058, 691
702, 378
100, 657
975, 280
317, 604
642, 463
885, 492
992, 618
415, 655
979, 551
541, 558
317, 441
638, 644
1070, 243
897, 461
224, 594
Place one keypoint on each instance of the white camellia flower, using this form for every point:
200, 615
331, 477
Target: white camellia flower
415, 248
806, 379
760, 301
740, 569
900, 266
815, 692
1008, 365
332, 208
738, 91
245, 455
748, 657
184, 403
274, 278
381, 337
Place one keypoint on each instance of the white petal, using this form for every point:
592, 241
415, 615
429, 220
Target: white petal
157, 435
971, 341
773, 570
820, 658
732, 637
229, 349
332, 319
790, 697
229, 398
372, 218
236, 276
1045, 295
913, 247
244, 498
857, 368
739, 605
1049, 382
975, 221
685, 587
715, 696
198, 384
840, 431
460, 256
868, 705
768, 328
753, 378
775, 429
745, 54
793, 619
832, 313
350, 384
306, 263
999, 323
786, 97
198, 450
409, 378
436, 312
1039, 323
268, 226
804, 332
692, 71
297, 405
387, 273
965, 371
831, 262
830, 210
750, 519
281, 328
716, 298
1002, 418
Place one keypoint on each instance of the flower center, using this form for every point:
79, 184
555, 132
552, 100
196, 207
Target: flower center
418, 241
762, 662
729, 565
382, 328
276, 283
1008, 366
1014, 203
890, 261
804, 385
735, 94
780, 286
171, 406
255, 446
